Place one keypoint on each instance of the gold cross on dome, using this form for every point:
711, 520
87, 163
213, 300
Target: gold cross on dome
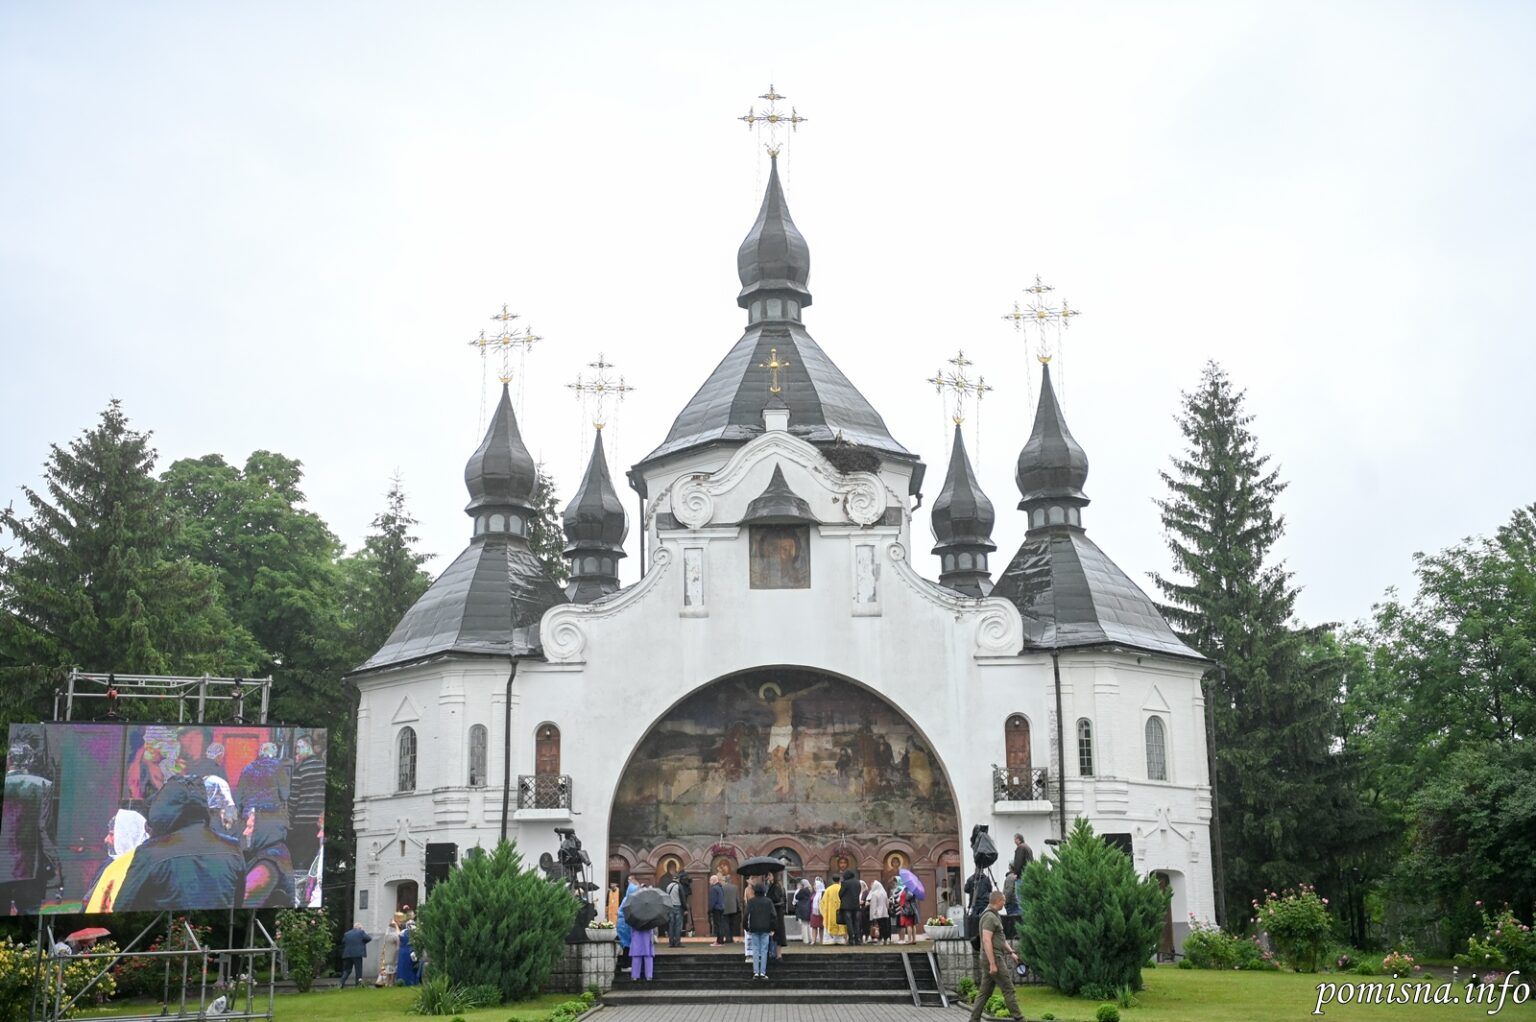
601, 389
1041, 320
773, 365
957, 387
773, 117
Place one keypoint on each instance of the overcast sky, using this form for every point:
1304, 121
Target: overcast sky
277, 225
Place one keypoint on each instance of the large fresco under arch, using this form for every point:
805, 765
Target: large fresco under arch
790, 753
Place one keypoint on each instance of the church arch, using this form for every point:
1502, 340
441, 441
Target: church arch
786, 757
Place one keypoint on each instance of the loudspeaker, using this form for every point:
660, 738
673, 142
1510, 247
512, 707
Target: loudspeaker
441, 858
1120, 841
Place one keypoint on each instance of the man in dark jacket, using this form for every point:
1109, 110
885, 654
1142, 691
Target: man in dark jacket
848, 908
354, 945
979, 888
717, 907
1022, 856
306, 805
781, 907
28, 855
732, 909
185, 864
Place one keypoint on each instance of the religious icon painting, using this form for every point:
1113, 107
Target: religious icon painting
780, 557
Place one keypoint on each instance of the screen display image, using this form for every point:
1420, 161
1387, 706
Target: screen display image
150, 817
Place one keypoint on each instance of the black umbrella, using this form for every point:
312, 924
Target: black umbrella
646, 909
760, 865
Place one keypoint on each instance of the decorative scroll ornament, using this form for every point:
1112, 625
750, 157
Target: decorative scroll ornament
864, 498
999, 630
562, 636
896, 552
692, 504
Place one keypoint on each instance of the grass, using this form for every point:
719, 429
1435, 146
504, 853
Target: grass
366, 1004
1198, 995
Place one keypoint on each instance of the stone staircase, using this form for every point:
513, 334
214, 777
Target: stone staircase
806, 978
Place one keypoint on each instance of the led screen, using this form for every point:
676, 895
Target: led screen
147, 817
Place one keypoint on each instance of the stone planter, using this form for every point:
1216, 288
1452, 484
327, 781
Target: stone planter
597, 936
941, 932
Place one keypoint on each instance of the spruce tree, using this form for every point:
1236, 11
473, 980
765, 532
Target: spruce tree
1284, 794
546, 533
385, 578
93, 578
1090, 923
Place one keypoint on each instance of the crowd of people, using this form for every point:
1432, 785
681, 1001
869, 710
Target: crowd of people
399, 963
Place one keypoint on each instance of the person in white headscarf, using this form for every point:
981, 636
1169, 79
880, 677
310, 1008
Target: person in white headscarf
127, 832
879, 913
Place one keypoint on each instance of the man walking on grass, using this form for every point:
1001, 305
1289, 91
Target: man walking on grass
354, 945
999, 960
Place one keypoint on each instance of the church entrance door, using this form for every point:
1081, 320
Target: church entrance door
788, 762
1016, 746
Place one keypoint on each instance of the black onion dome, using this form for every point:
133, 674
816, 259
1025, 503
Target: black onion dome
1052, 465
774, 256
595, 516
501, 472
962, 514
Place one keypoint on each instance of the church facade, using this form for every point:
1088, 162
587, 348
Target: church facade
782, 679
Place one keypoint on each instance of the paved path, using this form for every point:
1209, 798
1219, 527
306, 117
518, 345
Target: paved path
775, 1013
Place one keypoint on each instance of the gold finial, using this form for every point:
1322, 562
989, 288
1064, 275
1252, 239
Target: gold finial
600, 388
957, 387
773, 117
773, 365
1040, 319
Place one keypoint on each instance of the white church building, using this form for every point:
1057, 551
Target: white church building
782, 679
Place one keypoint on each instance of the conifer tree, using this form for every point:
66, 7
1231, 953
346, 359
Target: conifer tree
1284, 800
1091, 922
546, 533
93, 577
385, 578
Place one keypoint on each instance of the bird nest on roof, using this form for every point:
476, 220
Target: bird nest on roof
846, 457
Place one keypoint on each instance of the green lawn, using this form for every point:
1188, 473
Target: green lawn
1197, 995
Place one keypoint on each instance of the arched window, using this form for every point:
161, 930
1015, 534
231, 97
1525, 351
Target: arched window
1157, 750
477, 739
1016, 743
405, 760
1084, 748
546, 751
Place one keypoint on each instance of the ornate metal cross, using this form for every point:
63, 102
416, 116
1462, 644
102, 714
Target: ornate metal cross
599, 388
773, 117
957, 387
773, 365
1041, 320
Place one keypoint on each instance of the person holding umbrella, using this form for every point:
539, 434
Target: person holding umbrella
762, 868
644, 910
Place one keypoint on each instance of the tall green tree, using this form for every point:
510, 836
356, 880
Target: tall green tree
1446, 709
384, 578
96, 575
1286, 812
546, 533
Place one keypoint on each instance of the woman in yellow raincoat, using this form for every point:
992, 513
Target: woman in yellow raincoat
830, 902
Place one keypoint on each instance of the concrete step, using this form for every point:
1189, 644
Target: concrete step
762, 993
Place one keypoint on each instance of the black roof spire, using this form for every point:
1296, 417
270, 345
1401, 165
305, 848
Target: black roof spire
1052, 466
962, 520
500, 475
774, 257
777, 504
595, 527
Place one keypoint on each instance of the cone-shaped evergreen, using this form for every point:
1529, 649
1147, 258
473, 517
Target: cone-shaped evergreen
1285, 796
1090, 923
494, 923
546, 530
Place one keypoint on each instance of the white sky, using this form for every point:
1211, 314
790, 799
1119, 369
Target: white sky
277, 226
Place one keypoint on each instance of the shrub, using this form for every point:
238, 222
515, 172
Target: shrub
145, 977
1107, 1013
996, 1005
1365, 967
1185, 963
1505, 945
1208, 947
1398, 963
492, 922
566, 1010
17, 962
966, 989
1297, 921
1092, 923
439, 995
307, 941
1048, 1017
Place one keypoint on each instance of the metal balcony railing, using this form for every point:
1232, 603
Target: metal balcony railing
544, 791
1022, 785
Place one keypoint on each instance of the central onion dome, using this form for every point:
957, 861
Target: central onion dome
774, 263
